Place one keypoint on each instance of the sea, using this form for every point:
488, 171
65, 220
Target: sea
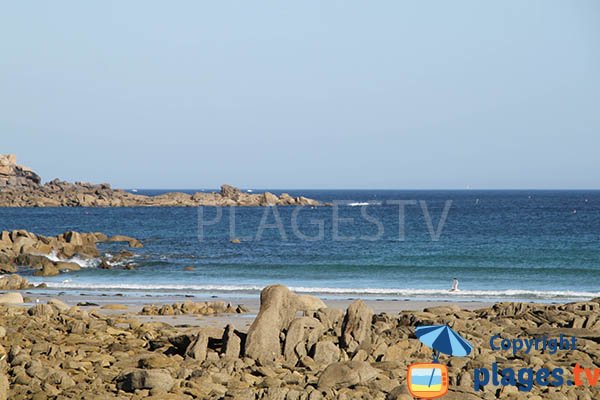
377, 244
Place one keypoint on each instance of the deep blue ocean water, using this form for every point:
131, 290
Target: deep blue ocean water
539, 245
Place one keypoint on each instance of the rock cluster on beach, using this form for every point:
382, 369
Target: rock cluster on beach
297, 348
193, 308
21, 187
50, 255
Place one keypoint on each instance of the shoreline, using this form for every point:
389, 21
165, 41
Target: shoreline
134, 304
391, 295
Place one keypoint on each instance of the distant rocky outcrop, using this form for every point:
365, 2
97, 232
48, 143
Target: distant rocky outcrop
21, 187
13, 175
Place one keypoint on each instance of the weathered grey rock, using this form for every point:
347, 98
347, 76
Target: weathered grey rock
157, 361
3, 386
397, 352
146, 379
41, 310
230, 192
304, 332
346, 374
47, 270
399, 393
13, 175
32, 260
356, 329
13, 282
326, 352
198, 347
23, 244
304, 201
60, 379
232, 343
331, 318
62, 266
268, 199
59, 305
11, 298
307, 302
278, 307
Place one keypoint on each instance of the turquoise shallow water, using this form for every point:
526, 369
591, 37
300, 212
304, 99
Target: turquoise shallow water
540, 245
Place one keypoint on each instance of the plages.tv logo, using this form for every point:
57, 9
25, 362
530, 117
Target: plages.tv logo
430, 380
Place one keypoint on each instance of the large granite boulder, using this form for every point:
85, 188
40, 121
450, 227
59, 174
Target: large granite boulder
13, 282
278, 308
356, 327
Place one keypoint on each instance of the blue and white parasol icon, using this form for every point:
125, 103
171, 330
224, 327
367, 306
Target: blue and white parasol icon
442, 339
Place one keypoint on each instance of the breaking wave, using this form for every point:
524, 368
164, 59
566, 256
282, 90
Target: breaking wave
82, 262
387, 292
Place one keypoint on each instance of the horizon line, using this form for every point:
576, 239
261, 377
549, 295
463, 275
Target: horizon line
378, 189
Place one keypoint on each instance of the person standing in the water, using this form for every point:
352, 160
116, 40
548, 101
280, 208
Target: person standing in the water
454, 285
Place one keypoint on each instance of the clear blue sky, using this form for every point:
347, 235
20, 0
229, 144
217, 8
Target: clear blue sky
327, 94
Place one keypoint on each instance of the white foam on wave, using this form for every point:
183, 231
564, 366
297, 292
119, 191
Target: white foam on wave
124, 261
364, 203
421, 293
82, 262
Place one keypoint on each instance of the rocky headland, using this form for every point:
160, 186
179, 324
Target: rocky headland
21, 187
51, 255
297, 348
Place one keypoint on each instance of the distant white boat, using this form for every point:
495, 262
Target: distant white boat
249, 190
134, 190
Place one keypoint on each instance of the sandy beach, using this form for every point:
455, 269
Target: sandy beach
134, 304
